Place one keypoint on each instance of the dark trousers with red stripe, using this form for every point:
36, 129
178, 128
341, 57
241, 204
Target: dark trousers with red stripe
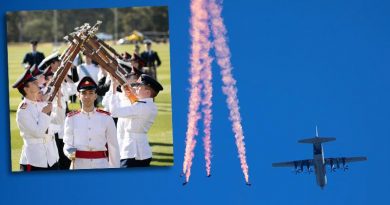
29, 168
132, 162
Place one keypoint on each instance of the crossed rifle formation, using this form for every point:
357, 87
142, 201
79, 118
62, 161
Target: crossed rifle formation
83, 39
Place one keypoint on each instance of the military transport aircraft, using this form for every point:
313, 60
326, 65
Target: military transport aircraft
318, 161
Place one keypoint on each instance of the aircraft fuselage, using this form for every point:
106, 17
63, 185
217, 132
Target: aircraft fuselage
319, 164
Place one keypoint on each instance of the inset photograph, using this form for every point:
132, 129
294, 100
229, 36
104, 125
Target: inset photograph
89, 88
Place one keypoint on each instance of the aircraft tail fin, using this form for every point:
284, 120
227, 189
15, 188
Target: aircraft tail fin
316, 140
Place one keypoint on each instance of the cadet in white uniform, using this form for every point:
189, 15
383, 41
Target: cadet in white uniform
131, 77
135, 150
39, 150
90, 134
51, 65
121, 122
88, 69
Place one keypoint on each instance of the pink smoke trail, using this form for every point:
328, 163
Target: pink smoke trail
229, 88
198, 22
207, 103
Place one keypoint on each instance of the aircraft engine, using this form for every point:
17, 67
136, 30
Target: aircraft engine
308, 169
332, 167
345, 166
297, 169
338, 164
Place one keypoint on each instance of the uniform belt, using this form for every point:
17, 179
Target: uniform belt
43, 140
91, 154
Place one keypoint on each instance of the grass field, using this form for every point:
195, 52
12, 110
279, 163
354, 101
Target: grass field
160, 135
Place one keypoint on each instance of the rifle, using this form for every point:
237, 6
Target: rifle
93, 48
83, 33
111, 49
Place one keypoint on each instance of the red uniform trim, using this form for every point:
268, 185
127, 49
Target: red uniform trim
26, 77
23, 106
91, 154
86, 83
29, 167
70, 114
103, 111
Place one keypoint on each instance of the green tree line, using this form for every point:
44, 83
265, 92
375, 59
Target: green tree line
46, 25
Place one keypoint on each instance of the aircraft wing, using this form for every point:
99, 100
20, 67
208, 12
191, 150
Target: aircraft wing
296, 163
344, 160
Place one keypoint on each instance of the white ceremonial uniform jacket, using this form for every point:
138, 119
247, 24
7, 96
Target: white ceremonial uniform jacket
68, 89
90, 70
58, 112
139, 118
92, 132
121, 122
39, 148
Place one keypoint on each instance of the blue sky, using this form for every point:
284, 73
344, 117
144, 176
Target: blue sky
298, 64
